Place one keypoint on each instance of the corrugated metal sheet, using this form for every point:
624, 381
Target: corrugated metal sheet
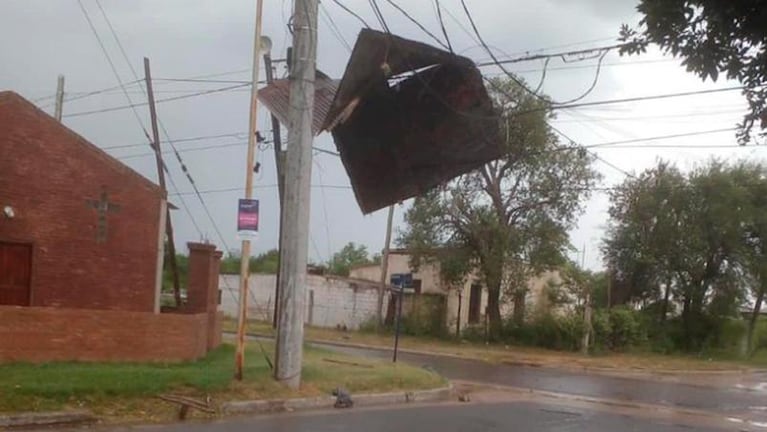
400, 139
276, 98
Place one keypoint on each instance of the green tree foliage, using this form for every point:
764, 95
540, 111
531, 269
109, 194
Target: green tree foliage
350, 256
693, 240
712, 37
264, 263
508, 219
182, 261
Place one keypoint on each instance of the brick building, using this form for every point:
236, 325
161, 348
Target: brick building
81, 247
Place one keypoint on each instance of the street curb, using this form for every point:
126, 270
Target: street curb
51, 418
326, 402
638, 373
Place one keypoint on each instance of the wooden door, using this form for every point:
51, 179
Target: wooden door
475, 303
15, 273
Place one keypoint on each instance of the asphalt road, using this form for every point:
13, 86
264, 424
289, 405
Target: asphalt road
518, 416
728, 401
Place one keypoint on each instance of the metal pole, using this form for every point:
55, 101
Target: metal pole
161, 180
295, 214
278, 160
384, 270
239, 357
398, 319
59, 98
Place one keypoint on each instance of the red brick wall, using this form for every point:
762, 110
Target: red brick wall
53, 334
47, 174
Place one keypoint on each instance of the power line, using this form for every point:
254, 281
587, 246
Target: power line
333, 27
114, 70
442, 24
640, 98
184, 169
130, 102
563, 55
188, 139
200, 80
263, 186
379, 15
662, 137
421, 26
159, 101
354, 14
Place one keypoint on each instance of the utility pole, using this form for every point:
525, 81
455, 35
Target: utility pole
384, 269
161, 178
239, 356
59, 98
295, 215
278, 159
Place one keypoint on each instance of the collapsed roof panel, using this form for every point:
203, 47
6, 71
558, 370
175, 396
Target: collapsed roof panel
407, 117
276, 97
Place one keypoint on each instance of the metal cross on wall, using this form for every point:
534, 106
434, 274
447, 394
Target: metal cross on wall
103, 206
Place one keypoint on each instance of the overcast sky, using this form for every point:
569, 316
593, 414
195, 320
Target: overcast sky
40, 39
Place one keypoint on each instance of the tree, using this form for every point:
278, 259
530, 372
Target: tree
684, 233
508, 219
349, 256
712, 37
754, 251
265, 263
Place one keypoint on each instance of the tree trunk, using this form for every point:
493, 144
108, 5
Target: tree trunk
666, 296
390, 310
686, 311
494, 315
752, 321
519, 307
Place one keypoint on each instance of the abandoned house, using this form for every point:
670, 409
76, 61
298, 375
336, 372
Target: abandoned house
464, 305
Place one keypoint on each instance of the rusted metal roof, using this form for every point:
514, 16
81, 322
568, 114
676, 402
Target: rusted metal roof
407, 117
276, 98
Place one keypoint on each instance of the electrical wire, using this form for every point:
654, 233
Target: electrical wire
334, 27
184, 168
420, 26
130, 102
442, 24
593, 83
563, 55
354, 14
158, 101
114, 70
379, 15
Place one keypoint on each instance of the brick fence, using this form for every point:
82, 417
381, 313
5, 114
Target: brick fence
52, 334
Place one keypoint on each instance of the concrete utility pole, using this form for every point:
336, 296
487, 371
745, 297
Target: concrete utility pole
59, 98
295, 215
384, 269
239, 356
586, 310
161, 180
278, 163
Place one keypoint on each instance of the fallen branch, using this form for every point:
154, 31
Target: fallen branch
349, 363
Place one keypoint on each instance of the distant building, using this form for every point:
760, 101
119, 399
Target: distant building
81, 252
466, 304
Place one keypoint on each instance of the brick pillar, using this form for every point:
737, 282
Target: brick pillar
215, 318
199, 286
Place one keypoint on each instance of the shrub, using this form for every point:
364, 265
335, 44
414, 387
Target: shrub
560, 332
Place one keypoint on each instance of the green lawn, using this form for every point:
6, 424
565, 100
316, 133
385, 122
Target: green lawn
127, 391
499, 353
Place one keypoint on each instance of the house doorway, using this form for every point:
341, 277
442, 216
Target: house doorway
15, 274
475, 303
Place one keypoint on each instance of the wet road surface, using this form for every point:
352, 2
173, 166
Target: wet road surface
519, 416
728, 401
